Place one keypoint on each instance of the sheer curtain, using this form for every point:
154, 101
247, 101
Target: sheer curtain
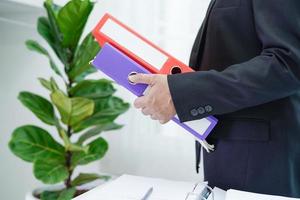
143, 146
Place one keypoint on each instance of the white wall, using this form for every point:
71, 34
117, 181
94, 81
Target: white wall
18, 71
142, 147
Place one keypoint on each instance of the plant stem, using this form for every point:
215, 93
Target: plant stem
69, 86
68, 162
69, 153
69, 131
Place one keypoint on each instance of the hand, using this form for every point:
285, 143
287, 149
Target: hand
157, 102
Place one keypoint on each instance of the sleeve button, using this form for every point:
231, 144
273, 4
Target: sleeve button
201, 110
208, 108
194, 112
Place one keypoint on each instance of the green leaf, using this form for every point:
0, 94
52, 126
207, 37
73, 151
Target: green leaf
84, 178
97, 130
31, 143
54, 67
93, 121
52, 27
45, 83
106, 110
83, 75
49, 85
55, 8
86, 52
40, 106
93, 89
50, 171
52, 12
44, 29
35, 46
72, 19
67, 194
76, 147
97, 150
114, 106
53, 84
49, 195
72, 110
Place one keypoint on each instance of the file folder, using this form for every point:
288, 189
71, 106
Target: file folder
119, 66
111, 33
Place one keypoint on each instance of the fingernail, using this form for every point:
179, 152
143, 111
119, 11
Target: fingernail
132, 73
131, 77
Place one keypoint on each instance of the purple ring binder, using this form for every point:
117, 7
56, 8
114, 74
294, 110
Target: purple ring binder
118, 66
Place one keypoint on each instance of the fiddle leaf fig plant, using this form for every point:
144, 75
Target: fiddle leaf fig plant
80, 107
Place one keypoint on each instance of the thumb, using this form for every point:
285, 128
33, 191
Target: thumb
141, 78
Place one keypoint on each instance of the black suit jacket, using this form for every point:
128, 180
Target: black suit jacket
248, 54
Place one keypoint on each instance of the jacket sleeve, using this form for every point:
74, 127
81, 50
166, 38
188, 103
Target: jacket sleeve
272, 75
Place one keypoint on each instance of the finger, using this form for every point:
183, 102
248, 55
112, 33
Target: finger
142, 78
163, 121
146, 111
140, 102
153, 117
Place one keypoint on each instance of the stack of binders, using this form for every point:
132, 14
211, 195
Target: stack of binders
125, 52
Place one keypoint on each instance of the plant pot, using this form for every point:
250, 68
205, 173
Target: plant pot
30, 195
89, 186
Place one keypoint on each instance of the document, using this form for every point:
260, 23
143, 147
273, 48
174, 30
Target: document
218, 194
128, 187
240, 195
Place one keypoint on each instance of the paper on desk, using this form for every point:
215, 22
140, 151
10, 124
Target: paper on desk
129, 187
119, 189
219, 194
239, 195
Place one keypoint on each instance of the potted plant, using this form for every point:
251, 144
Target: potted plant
80, 107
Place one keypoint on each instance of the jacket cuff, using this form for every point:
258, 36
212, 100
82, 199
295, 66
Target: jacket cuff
189, 103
